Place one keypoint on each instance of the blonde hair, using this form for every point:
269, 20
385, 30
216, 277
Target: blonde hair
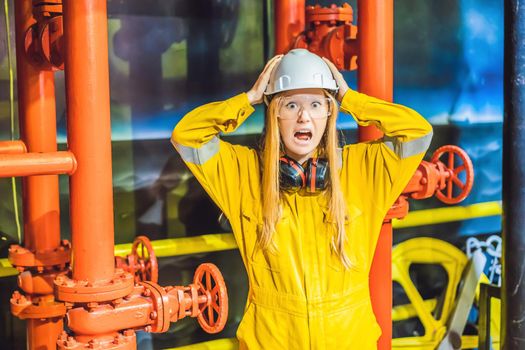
271, 194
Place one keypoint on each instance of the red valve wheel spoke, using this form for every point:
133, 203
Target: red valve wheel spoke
213, 314
201, 286
450, 160
215, 290
215, 307
453, 181
458, 182
210, 316
459, 169
208, 280
202, 308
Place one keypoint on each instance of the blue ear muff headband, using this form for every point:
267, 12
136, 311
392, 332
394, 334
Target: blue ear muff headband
293, 177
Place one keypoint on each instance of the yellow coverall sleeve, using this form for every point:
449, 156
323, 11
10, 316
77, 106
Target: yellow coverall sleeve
220, 167
384, 166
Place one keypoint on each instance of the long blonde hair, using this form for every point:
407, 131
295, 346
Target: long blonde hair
271, 194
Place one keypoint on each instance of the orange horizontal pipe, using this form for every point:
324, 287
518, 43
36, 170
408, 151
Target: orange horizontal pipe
12, 147
29, 164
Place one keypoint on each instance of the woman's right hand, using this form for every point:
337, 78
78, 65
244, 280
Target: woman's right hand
256, 93
339, 79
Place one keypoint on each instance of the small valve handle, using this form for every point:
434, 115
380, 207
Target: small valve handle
142, 261
445, 192
214, 312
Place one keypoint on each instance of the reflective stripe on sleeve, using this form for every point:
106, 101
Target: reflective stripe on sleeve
199, 155
339, 157
409, 148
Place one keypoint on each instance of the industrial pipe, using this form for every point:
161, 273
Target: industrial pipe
376, 55
12, 147
513, 234
148, 306
375, 78
29, 164
37, 114
89, 138
289, 18
41, 209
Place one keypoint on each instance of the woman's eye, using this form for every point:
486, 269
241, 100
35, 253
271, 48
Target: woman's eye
291, 105
316, 104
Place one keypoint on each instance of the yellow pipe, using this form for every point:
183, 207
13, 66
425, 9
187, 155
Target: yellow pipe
219, 344
186, 245
6, 269
448, 214
226, 241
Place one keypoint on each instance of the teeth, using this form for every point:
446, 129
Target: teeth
301, 134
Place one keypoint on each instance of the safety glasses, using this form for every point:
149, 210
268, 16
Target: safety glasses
317, 108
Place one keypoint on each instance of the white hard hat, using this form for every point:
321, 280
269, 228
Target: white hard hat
300, 69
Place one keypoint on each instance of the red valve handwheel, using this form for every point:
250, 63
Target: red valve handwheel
446, 195
214, 312
144, 262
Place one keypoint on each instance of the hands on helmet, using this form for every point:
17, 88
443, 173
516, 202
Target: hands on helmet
340, 80
255, 94
301, 80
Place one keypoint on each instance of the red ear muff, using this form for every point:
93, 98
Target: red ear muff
293, 177
317, 174
291, 174
311, 173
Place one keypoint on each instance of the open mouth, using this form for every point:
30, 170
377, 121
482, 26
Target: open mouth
303, 135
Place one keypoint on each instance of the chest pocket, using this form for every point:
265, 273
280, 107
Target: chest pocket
267, 259
354, 247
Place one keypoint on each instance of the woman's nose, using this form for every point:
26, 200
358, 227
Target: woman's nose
303, 116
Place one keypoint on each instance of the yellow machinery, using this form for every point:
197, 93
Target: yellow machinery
433, 313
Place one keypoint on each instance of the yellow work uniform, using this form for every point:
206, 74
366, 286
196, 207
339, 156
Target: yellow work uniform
301, 297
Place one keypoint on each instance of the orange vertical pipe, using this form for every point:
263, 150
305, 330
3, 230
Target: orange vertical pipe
37, 114
375, 78
289, 18
381, 285
376, 58
43, 333
89, 138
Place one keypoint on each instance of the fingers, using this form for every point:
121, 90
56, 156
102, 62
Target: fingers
332, 67
256, 92
339, 78
329, 63
264, 78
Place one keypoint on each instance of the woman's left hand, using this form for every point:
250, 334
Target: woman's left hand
256, 93
339, 79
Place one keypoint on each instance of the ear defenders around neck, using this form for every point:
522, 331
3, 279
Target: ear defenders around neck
313, 177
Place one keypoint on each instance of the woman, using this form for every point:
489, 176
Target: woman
306, 216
